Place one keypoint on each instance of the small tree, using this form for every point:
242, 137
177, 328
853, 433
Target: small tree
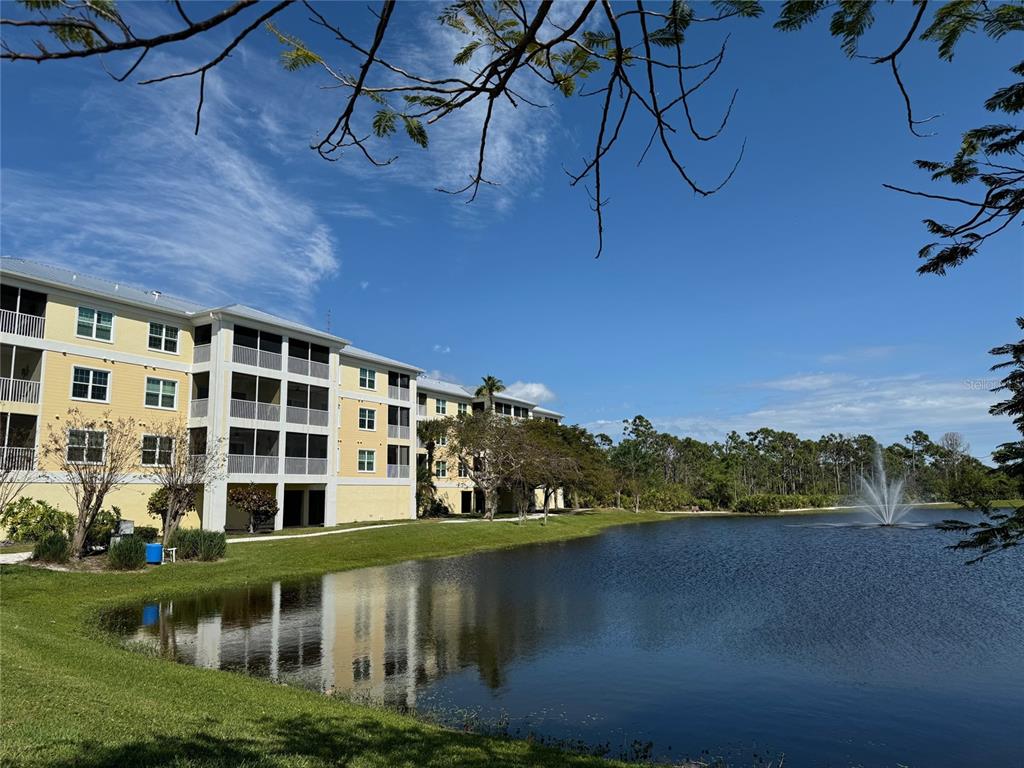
258, 504
490, 386
180, 475
429, 432
482, 442
93, 455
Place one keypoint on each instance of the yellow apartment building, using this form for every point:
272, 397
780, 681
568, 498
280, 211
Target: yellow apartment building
331, 428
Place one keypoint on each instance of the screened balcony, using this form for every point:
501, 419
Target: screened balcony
20, 374
398, 386
253, 451
421, 406
309, 359
199, 407
255, 397
307, 405
201, 338
398, 461
257, 348
22, 312
18, 447
305, 454
398, 423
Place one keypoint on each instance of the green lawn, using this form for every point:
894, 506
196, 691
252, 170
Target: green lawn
72, 697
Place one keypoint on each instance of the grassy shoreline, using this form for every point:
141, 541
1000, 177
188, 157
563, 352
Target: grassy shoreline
73, 697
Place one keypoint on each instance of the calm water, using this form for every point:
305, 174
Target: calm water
838, 646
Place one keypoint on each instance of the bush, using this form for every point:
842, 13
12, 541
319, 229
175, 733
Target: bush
704, 505
666, 498
758, 504
31, 520
127, 554
147, 533
102, 528
197, 544
819, 500
52, 548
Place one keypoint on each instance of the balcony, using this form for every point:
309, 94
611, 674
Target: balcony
398, 393
22, 324
17, 458
19, 391
315, 418
199, 409
254, 409
259, 358
421, 411
305, 465
398, 470
399, 431
309, 368
201, 353
246, 464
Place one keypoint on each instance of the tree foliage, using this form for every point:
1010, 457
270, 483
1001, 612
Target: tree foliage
257, 503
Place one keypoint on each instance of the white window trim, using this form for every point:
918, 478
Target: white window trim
440, 406
360, 379
68, 446
462, 408
113, 324
163, 338
71, 388
359, 418
437, 467
160, 407
142, 450
373, 455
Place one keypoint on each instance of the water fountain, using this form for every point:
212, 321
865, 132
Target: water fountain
882, 498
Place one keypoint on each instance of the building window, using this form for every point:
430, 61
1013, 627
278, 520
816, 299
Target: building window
86, 446
463, 471
367, 378
440, 469
161, 393
503, 408
463, 409
440, 407
367, 418
442, 440
93, 324
163, 338
90, 384
520, 413
367, 461
157, 450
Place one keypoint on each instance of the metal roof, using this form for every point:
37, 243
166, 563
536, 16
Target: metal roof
373, 357
547, 412
444, 387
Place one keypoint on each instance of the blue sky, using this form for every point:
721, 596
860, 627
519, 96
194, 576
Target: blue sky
787, 300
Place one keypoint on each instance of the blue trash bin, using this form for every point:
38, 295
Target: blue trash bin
150, 615
154, 554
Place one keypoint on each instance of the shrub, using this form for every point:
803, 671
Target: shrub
147, 533
127, 554
704, 505
31, 520
102, 528
666, 498
758, 504
256, 503
52, 548
197, 544
819, 500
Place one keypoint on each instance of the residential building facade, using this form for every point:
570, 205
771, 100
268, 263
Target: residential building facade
328, 427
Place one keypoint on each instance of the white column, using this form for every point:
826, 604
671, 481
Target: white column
208, 642
413, 454
275, 629
215, 499
279, 518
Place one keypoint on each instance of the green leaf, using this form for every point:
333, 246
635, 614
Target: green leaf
385, 123
950, 23
415, 130
850, 22
748, 9
796, 13
296, 55
463, 56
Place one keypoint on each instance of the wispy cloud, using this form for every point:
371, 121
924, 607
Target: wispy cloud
886, 407
440, 375
860, 354
534, 391
202, 216
364, 284
442, 349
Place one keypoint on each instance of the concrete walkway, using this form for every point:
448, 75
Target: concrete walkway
14, 557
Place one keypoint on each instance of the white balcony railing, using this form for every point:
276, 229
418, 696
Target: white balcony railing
19, 391
297, 415
254, 409
201, 353
256, 357
246, 464
399, 431
21, 323
398, 470
304, 465
398, 393
199, 408
306, 367
17, 458
421, 411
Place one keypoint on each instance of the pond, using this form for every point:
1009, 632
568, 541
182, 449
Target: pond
833, 644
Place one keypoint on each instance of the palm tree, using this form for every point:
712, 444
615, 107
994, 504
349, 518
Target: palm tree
490, 387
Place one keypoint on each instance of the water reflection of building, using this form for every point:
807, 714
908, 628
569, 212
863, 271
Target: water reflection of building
378, 633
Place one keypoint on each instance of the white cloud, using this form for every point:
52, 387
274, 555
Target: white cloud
203, 216
886, 407
534, 391
364, 284
857, 354
805, 382
440, 375
442, 349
